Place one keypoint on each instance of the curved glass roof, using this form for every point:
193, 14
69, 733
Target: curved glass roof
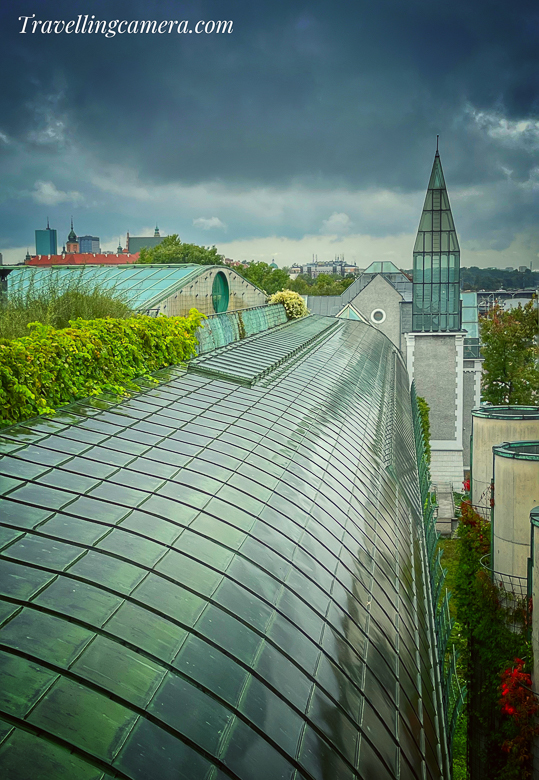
212, 581
143, 285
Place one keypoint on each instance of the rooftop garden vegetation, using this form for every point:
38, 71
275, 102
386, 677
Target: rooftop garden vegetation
50, 367
53, 301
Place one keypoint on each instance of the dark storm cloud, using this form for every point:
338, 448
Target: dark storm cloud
350, 93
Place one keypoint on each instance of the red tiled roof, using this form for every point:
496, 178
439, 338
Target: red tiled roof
86, 258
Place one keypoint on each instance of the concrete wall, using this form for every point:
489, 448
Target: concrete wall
488, 432
534, 554
435, 379
469, 403
379, 294
516, 492
197, 294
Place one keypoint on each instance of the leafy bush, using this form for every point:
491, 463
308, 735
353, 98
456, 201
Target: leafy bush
54, 298
293, 303
52, 367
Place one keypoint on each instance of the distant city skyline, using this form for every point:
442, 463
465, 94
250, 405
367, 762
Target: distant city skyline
308, 130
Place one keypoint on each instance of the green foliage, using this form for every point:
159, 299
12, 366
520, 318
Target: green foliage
51, 367
52, 298
269, 279
424, 410
324, 284
510, 370
495, 626
293, 303
173, 250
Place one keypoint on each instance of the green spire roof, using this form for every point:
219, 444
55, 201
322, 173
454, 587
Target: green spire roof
437, 181
436, 299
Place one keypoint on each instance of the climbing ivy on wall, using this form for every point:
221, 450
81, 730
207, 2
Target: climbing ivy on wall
51, 367
424, 410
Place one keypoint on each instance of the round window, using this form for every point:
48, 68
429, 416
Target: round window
378, 316
220, 293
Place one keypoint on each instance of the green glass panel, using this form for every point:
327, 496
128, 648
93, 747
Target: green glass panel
8, 535
245, 605
171, 599
39, 495
44, 552
68, 481
170, 510
23, 684
218, 531
229, 633
84, 718
97, 510
249, 755
154, 527
72, 529
120, 670
332, 722
79, 600
131, 546
189, 572
287, 678
21, 468
20, 582
9, 483
271, 714
212, 669
191, 712
150, 748
46, 637
21, 515
316, 752
108, 571
146, 630
205, 550
6, 610
25, 756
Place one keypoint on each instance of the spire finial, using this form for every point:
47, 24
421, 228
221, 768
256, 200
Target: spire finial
48, 228
72, 222
437, 138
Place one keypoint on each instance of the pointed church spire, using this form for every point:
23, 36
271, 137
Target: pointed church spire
436, 288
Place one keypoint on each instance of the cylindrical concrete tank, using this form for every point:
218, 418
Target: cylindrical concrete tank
533, 588
516, 492
493, 425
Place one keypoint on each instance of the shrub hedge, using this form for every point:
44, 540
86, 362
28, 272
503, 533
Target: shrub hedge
51, 367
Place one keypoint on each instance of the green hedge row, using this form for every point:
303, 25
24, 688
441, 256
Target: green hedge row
51, 367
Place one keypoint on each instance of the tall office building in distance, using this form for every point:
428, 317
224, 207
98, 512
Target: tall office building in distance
46, 241
89, 244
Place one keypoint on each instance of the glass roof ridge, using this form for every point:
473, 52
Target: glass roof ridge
246, 363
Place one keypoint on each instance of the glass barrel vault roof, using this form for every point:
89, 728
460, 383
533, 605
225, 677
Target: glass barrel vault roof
143, 285
212, 581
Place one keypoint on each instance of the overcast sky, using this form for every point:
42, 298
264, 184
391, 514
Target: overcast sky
311, 128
